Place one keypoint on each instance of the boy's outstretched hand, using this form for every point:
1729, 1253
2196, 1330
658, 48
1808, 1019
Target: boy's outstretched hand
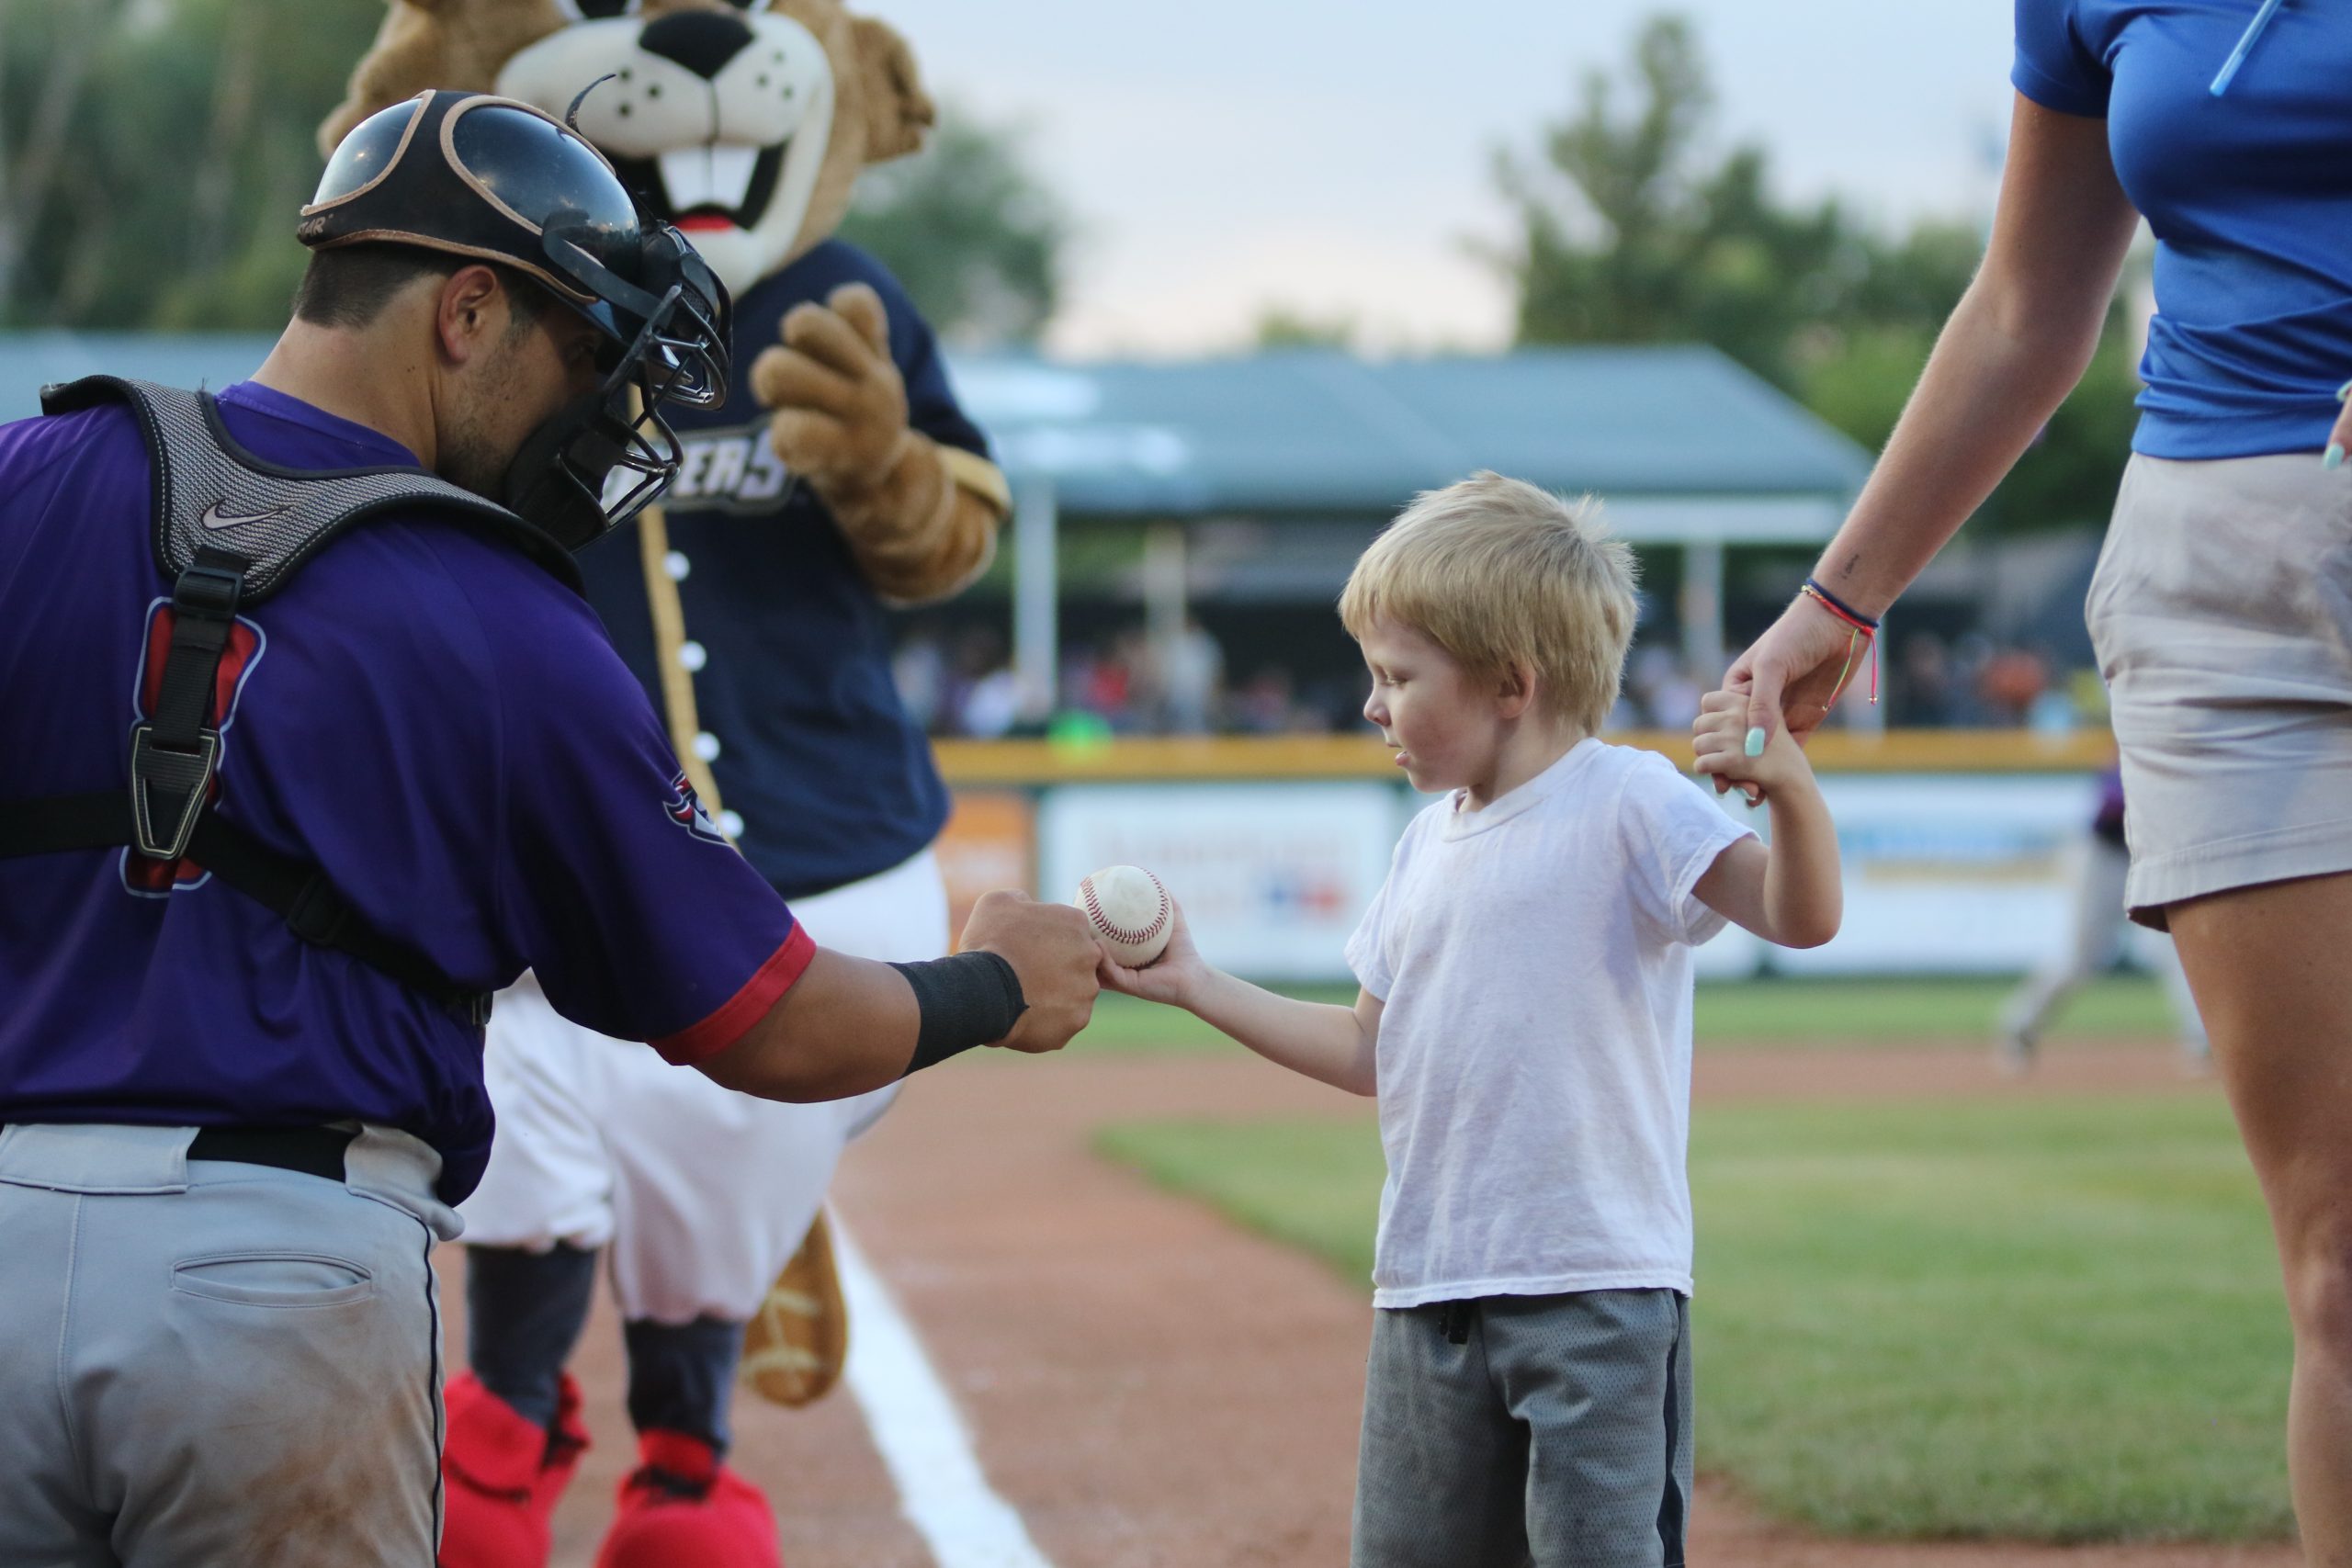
1174, 977
1720, 733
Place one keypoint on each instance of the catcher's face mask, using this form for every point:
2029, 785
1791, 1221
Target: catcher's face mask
497, 180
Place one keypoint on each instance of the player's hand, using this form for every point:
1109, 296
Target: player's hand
1173, 977
841, 403
1052, 950
1788, 678
1719, 736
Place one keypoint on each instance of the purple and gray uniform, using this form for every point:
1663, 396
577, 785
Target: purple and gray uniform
441, 728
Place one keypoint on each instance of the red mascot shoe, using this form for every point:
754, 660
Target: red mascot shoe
501, 1474
682, 1508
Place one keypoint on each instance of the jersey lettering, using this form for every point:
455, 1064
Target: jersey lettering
729, 470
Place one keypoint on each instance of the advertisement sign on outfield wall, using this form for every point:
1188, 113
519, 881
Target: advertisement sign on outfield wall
1944, 873
1951, 874
1271, 878
991, 842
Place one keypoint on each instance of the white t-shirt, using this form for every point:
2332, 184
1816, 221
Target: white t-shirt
1534, 1061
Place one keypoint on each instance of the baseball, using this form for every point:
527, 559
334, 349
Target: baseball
1130, 911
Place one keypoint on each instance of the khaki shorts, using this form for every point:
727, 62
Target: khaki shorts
2223, 614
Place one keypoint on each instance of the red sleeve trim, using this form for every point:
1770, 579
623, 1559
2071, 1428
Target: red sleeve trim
746, 1008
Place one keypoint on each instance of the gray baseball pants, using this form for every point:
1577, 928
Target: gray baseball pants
207, 1364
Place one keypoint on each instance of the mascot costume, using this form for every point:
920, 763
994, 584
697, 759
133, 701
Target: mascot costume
839, 476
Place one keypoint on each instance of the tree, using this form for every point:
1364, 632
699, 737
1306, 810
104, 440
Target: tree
974, 234
153, 157
148, 175
1631, 237
1634, 232
1286, 326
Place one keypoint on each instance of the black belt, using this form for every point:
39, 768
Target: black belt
314, 1151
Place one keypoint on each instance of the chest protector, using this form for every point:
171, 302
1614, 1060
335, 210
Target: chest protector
230, 530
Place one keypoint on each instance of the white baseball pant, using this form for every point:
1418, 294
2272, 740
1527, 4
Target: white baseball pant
701, 1194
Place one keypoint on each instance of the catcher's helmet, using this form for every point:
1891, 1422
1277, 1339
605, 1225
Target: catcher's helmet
491, 178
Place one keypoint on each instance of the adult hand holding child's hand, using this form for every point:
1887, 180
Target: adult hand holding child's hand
1720, 733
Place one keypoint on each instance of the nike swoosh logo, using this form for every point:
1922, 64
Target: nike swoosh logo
216, 517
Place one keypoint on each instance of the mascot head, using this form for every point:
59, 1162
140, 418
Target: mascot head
745, 123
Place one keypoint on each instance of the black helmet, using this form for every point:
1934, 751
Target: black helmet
491, 178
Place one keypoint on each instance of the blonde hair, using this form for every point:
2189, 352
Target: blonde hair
1497, 572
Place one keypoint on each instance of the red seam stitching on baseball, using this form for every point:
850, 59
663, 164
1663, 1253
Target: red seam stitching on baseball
1116, 933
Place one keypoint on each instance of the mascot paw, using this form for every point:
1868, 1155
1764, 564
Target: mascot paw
794, 1345
503, 1475
840, 403
682, 1508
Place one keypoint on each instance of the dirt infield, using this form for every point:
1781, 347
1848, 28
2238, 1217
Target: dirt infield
1148, 1385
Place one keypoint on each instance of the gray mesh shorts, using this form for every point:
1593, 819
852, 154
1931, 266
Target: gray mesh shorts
1556, 1433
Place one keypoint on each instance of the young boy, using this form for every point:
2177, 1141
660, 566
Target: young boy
1525, 1021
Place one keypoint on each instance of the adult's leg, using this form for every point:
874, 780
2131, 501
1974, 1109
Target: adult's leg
523, 1313
2161, 956
46, 1518
2098, 926
2266, 966
532, 1230
253, 1373
714, 1191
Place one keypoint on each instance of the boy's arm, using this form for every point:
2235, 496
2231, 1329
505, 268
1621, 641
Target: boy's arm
1331, 1043
1790, 893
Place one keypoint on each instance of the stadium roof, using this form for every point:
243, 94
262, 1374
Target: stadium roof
1684, 444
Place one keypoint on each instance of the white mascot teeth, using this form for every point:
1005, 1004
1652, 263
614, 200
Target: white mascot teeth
709, 176
705, 137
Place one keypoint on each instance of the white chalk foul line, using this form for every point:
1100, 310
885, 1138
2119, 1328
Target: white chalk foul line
919, 1432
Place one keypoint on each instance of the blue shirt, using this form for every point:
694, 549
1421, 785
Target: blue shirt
423, 713
831, 779
2249, 195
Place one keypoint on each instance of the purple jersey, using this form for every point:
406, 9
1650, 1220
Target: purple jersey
428, 717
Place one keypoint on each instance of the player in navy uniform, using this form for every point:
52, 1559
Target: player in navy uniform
311, 749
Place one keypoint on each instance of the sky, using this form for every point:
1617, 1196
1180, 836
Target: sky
1334, 157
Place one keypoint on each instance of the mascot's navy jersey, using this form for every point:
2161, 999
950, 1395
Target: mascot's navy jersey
817, 756
426, 716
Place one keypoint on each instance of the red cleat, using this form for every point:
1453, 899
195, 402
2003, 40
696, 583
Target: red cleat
501, 1474
682, 1508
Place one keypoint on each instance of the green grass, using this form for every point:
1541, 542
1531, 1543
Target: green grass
2054, 1320
1897, 1012
1775, 1012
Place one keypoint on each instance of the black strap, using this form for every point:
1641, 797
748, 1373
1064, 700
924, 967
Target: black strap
295, 891
174, 756
100, 821
204, 609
